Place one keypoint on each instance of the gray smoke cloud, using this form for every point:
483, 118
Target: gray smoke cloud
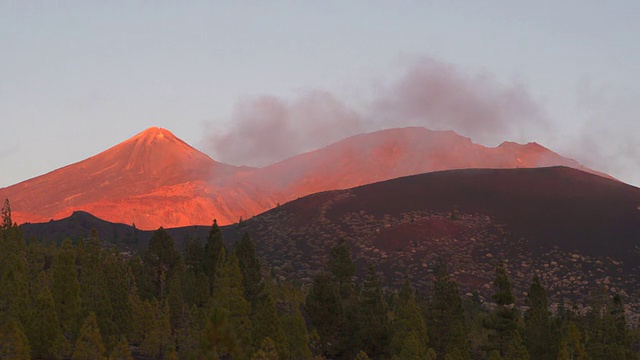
267, 129
439, 96
607, 136
431, 93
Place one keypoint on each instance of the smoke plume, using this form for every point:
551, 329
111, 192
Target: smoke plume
606, 139
433, 94
267, 129
440, 97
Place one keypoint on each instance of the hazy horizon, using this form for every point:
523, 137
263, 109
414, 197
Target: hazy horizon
227, 78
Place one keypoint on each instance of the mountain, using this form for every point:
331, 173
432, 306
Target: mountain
575, 230
388, 154
155, 179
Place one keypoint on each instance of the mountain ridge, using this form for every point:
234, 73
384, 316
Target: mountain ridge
155, 179
575, 230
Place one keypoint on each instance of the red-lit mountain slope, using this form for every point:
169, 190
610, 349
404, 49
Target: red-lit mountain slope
388, 154
152, 179
155, 179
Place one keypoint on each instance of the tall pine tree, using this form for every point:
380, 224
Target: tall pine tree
447, 330
229, 295
160, 259
13, 342
266, 324
45, 337
89, 345
66, 291
408, 320
539, 331
503, 322
214, 253
252, 280
374, 332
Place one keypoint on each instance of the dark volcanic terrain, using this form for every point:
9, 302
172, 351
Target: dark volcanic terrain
576, 230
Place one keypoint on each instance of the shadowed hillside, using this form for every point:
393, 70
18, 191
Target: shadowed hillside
576, 230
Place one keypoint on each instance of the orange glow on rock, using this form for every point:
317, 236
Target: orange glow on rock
155, 179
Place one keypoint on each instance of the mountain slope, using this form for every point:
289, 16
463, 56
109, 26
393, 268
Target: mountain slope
575, 230
155, 179
152, 179
388, 154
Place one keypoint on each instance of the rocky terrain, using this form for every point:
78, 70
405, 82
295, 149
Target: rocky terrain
575, 230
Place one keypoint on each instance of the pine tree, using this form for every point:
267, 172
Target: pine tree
606, 335
250, 267
412, 348
571, 346
155, 328
516, 349
374, 334
295, 330
151, 338
172, 354
621, 345
45, 337
455, 354
193, 255
503, 322
66, 291
219, 338
5, 216
495, 355
11, 237
214, 253
162, 315
89, 345
176, 303
121, 351
266, 324
539, 331
117, 302
92, 287
408, 319
187, 336
14, 294
362, 356
13, 342
343, 269
343, 272
447, 331
229, 295
160, 259
324, 307
266, 351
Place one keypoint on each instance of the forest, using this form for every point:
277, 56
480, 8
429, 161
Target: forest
82, 299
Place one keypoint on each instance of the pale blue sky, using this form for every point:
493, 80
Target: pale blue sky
77, 77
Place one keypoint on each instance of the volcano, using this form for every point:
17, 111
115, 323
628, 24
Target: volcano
155, 179
392, 153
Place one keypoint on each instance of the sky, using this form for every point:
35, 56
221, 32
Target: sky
253, 82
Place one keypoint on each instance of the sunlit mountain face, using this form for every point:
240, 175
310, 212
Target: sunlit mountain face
155, 179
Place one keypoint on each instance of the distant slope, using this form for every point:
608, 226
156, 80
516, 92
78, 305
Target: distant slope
388, 154
574, 229
155, 179
80, 224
